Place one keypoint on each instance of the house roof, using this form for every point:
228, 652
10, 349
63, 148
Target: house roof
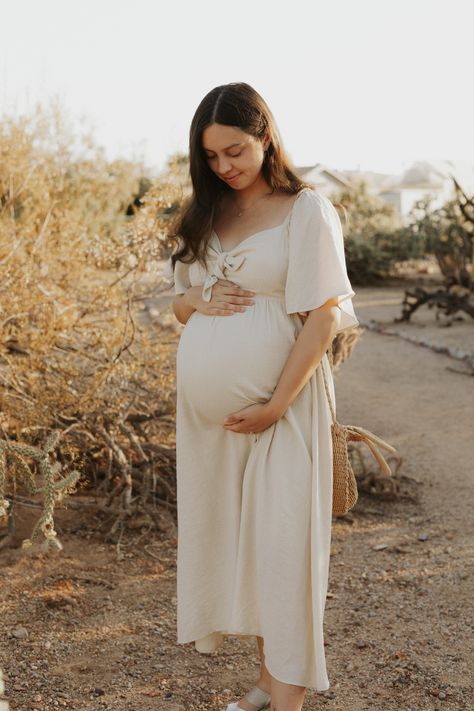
322, 169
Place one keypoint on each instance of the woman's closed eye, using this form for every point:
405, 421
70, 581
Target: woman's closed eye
234, 155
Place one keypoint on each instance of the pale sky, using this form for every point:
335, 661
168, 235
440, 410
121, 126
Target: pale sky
373, 84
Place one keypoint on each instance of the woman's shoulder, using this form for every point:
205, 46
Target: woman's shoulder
314, 213
312, 199
315, 208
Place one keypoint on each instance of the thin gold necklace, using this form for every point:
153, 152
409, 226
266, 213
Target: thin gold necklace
244, 209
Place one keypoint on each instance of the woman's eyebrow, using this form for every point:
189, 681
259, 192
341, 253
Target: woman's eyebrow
224, 149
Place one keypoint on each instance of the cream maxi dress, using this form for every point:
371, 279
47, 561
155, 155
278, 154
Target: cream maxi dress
254, 510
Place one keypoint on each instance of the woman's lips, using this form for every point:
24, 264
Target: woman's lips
234, 177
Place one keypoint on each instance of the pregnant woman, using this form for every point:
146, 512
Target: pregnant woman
262, 288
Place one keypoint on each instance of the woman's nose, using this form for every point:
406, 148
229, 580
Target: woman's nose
224, 166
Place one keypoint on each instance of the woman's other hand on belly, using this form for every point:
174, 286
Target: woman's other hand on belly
252, 419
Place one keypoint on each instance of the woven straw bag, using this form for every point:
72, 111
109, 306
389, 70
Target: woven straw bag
345, 492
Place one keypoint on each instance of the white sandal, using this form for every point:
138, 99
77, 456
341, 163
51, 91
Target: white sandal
256, 696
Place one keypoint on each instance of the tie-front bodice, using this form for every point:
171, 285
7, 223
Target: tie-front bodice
258, 263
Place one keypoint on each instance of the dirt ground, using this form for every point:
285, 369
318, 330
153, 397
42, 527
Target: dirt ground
83, 631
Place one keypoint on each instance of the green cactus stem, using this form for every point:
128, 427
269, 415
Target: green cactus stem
53, 489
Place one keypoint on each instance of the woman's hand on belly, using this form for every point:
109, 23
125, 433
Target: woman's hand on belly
253, 418
227, 298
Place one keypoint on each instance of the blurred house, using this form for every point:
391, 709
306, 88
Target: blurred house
421, 181
326, 180
375, 182
426, 179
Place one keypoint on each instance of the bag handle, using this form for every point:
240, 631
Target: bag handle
329, 354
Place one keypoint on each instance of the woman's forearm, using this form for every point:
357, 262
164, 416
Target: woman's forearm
313, 340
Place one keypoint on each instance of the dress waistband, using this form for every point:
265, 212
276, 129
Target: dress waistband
275, 297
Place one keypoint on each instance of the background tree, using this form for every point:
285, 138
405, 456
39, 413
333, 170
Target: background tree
368, 223
448, 234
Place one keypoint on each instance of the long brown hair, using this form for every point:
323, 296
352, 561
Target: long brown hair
235, 104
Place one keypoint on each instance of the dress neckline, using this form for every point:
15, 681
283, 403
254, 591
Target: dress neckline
255, 234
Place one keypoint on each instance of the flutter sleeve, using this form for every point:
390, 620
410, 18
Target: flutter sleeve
316, 260
179, 277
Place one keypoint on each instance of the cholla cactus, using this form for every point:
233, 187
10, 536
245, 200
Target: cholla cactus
53, 489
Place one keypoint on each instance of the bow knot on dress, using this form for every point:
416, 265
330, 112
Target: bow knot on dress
223, 263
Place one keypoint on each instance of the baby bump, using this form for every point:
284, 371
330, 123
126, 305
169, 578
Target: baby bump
225, 363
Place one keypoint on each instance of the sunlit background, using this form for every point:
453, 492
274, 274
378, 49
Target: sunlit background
369, 85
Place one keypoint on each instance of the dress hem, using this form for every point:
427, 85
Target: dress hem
250, 634
219, 631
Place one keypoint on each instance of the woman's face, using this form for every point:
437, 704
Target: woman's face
232, 153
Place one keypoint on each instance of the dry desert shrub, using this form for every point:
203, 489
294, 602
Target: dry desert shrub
77, 260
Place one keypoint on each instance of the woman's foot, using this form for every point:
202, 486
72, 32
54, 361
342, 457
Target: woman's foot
286, 697
262, 683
